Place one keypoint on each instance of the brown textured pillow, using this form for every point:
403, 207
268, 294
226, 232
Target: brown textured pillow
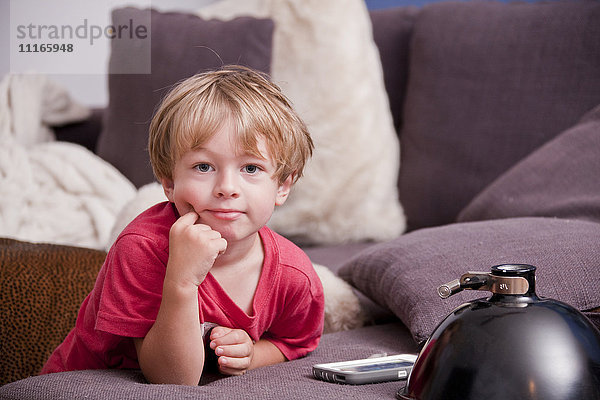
41, 289
404, 274
489, 83
560, 179
181, 46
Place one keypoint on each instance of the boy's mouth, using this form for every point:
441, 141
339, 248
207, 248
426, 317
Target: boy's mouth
225, 214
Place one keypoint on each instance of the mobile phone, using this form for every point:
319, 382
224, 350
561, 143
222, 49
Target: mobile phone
368, 370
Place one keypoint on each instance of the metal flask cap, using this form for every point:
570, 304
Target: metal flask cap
512, 345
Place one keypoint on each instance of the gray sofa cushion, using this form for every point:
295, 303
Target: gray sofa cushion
560, 179
289, 380
392, 30
489, 83
404, 274
182, 45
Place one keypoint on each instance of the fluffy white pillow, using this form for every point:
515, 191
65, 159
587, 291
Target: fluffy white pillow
326, 62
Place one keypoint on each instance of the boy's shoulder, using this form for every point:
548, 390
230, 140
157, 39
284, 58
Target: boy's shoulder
290, 257
286, 250
153, 224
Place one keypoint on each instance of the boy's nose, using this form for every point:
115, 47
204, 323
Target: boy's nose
226, 185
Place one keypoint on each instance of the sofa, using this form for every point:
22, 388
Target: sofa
496, 110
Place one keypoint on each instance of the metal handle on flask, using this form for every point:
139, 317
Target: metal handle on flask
484, 281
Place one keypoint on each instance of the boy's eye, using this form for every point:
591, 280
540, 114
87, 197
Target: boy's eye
203, 167
251, 169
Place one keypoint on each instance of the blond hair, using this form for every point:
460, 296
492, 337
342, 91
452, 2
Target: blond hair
196, 108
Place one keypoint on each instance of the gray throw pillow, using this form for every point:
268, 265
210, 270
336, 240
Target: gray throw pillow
560, 179
489, 83
392, 30
403, 274
181, 46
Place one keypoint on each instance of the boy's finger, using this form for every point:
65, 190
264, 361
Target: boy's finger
219, 331
188, 218
222, 246
233, 366
233, 336
234, 350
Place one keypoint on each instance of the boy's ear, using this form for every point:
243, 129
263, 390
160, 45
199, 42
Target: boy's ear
168, 187
284, 190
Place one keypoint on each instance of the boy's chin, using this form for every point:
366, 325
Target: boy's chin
232, 236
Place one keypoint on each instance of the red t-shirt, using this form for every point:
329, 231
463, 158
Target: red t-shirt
288, 302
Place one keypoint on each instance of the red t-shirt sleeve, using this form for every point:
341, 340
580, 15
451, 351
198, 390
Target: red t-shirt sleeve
132, 289
300, 326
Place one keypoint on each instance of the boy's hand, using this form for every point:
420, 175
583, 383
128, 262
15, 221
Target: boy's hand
234, 348
193, 249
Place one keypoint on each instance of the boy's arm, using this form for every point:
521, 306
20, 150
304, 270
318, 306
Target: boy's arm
173, 350
266, 353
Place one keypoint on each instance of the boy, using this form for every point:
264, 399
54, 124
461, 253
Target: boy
227, 148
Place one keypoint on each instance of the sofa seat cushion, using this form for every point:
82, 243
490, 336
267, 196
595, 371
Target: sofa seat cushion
41, 289
404, 274
560, 179
288, 380
489, 83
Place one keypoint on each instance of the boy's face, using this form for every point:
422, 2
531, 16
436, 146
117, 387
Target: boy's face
232, 192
